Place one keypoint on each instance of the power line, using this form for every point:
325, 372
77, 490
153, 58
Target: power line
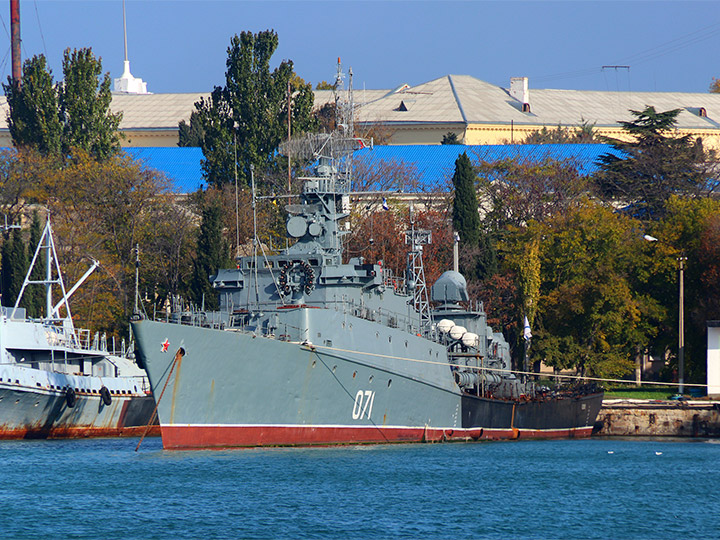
675, 44
42, 35
647, 55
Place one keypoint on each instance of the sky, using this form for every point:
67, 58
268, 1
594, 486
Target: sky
181, 46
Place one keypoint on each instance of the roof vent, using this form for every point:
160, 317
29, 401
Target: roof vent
519, 90
697, 111
405, 105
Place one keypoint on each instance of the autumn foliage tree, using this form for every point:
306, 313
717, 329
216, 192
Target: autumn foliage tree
591, 314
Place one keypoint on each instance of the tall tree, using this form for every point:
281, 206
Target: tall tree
465, 217
654, 164
85, 106
211, 254
33, 118
192, 133
34, 294
14, 266
248, 116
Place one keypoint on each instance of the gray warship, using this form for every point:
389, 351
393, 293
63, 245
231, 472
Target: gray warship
309, 350
60, 381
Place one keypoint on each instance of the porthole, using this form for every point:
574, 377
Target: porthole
334, 368
370, 379
314, 363
406, 344
389, 382
389, 339
354, 374
377, 334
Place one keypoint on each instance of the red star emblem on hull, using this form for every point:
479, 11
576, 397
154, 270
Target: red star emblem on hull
165, 345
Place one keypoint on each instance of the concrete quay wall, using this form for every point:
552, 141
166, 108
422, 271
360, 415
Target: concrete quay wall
634, 417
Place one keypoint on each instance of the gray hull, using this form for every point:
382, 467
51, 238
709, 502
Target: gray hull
220, 388
34, 413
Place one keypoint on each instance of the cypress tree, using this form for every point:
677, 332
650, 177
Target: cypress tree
466, 220
14, 266
210, 256
35, 294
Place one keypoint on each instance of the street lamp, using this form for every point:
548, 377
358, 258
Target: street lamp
681, 318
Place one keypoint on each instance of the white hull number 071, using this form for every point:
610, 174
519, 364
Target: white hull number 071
363, 404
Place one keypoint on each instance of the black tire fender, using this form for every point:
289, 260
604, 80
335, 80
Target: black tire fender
70, 397
105, 395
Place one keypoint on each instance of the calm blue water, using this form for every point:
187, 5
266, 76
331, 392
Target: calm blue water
547, 489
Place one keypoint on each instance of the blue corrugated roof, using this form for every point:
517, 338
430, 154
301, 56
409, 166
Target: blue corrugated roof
435, 163
180, 164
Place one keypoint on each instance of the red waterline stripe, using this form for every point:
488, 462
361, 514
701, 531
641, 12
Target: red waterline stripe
185, 437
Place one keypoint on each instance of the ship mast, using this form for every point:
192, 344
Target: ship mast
416, 239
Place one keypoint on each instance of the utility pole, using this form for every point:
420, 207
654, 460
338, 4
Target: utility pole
681, 327
15, 41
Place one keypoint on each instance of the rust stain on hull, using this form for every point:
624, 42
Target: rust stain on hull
178, 360
76, 432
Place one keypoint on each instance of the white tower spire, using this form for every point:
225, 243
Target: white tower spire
127, 83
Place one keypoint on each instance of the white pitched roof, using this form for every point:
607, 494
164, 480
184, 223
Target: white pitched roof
462, 98
154, 111
449, 99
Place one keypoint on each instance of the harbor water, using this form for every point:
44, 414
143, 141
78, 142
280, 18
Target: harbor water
593, 489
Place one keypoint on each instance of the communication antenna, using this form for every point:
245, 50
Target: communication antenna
137, 279
255, 236
416, 239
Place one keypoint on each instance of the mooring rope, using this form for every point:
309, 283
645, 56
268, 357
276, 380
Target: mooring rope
482, 368
178, 356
